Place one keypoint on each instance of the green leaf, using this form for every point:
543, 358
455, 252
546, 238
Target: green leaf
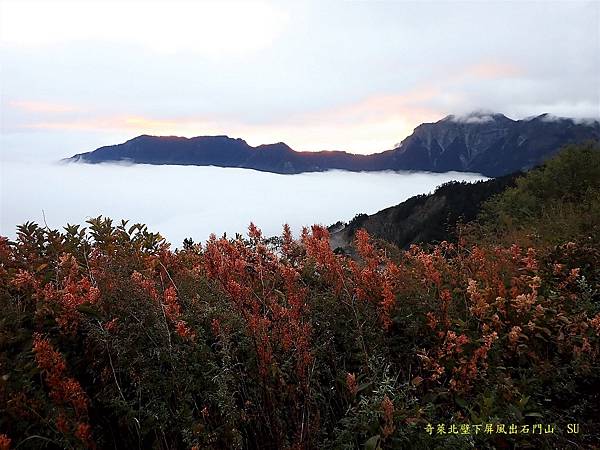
372, 443
523, 401
461, 402
364, 386
88, 309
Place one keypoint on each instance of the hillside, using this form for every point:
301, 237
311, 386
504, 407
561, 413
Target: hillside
423, 218
490, 144
554, 199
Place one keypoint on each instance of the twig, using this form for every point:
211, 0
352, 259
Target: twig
88, 266
44, 218
169, 275
35, 436
112, 366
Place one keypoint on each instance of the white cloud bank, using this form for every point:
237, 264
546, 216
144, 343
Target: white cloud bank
192, 201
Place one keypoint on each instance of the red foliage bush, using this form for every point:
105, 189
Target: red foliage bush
239, 343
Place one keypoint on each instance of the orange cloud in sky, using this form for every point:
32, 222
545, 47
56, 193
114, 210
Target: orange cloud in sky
372, 124
124, 123
381, 107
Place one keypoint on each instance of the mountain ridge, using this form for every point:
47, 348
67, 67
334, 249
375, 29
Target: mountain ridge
424, 218
482, 142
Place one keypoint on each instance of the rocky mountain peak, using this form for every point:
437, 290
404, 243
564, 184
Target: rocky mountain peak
477, 117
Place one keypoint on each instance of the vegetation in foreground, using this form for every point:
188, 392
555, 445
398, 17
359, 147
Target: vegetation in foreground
109, 339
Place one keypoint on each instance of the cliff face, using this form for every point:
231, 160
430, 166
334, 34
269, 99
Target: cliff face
491, 144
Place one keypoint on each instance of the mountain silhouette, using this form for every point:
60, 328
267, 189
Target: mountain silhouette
487, 143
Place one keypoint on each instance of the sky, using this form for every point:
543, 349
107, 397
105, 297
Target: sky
344, 75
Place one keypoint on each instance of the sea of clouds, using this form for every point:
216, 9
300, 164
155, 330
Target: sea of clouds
191, 201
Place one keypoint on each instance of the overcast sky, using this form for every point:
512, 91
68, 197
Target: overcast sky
349, 75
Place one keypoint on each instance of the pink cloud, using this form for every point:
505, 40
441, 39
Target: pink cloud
408, 105
371, 124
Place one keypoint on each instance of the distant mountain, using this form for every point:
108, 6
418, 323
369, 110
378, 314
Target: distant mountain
486, 143
223, 151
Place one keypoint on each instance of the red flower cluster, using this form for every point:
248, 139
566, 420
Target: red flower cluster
64, 390
4, 442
